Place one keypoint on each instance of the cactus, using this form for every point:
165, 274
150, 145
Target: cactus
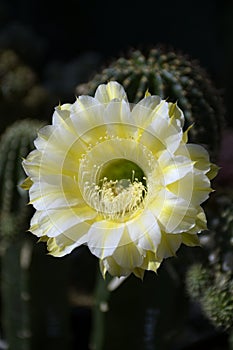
16, 248
15, 143
211, 282
172, 76
21, 93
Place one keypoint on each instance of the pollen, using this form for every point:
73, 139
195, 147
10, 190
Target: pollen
116, 200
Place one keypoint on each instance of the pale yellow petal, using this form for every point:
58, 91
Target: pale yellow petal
176, 114
26, 184
190, 240
104, 237
169, 245
55, 192
115, 116
214, 169
144, 231
52, 223
128, 255
87, 119
109, 264
108, 92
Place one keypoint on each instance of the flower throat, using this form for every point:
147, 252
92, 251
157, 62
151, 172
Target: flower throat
120, 189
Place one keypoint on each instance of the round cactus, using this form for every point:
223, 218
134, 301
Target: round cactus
174, 77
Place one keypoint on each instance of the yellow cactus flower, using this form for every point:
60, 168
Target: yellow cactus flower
121, 179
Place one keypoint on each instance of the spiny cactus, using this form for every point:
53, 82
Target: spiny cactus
213, 289
15, 143
16, 249
217, 303
172, 76
211, 282
197, 280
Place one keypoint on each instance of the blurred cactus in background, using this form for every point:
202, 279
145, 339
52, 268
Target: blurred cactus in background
21, 95
172, 76
15, 143
209, 281
16, 247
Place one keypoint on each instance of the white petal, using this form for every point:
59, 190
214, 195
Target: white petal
177, 217
160, 134
169, 245
194, 187
176, 114
52, 223
161, 111
107, 92
114, 116
201, 222
174, 213
35, 228
61, 113
128, 255
110, 265
142, 112
31, 163
55, 191
198, 154
87, 119
104, 237
64, 243
43, 137
78, 233
145, 231
173, 167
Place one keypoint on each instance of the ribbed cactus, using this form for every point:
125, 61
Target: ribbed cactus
15, 143
172, 76
16, 249
210, 282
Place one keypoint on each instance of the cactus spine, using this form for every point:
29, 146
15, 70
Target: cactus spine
174, 77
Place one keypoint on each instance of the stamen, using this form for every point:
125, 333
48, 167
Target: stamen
116, 199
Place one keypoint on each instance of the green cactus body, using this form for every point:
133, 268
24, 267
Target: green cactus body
32, 317
174, 77
16, 248
15, 143
211, 282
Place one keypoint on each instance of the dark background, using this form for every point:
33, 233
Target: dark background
48, 34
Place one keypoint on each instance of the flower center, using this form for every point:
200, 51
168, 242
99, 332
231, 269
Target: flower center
119, 190
122, 169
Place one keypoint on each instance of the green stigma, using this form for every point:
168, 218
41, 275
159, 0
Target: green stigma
122, 169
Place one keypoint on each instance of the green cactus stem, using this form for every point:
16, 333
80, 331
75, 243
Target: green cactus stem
16, 248
172, 76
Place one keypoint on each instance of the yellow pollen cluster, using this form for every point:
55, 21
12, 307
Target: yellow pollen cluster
116, 199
